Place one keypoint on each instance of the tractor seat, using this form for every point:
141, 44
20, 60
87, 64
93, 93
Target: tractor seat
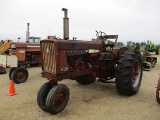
110, 45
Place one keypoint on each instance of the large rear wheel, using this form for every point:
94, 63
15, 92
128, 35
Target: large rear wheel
57, 99
129, 72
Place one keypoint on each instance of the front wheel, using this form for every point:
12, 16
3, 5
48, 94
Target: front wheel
11, 70
129, 72
57, 99
42, 95
19, 75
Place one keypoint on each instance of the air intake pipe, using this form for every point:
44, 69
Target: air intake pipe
65, 24
27, 33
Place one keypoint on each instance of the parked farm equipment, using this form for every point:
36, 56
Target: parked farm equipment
27, 54
148, 60
158, 91
4, 49
20, 55
151, 47
4, 46
84, 61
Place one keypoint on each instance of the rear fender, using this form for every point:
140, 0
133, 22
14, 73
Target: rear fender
118, 52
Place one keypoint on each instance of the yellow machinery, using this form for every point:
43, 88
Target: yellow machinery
4, 46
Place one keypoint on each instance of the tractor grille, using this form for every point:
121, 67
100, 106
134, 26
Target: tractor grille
49, 57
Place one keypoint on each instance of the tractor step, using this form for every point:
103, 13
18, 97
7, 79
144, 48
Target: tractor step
102, 80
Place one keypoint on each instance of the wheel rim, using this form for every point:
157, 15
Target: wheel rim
20, 76
136, 73
157, 91
59, 100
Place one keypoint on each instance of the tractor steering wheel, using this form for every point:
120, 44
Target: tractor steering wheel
100, 33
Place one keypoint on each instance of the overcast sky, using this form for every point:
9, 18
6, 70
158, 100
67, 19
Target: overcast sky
132, 20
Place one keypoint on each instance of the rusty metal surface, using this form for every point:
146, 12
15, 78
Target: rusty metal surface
79, 44
119, 51
71, 58
24, 44
27, 53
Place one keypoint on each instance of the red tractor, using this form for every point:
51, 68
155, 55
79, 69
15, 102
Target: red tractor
18, 55
85, 62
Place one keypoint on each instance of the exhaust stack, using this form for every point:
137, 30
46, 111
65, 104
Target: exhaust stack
27, 33
65, 24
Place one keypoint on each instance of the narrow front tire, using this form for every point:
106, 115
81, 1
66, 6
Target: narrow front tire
57, 99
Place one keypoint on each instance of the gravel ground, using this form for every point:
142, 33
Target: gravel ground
96, 101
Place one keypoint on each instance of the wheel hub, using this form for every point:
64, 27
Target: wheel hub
20, 75
59, 100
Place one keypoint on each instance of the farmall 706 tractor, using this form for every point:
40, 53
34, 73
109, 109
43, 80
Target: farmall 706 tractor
85, 62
